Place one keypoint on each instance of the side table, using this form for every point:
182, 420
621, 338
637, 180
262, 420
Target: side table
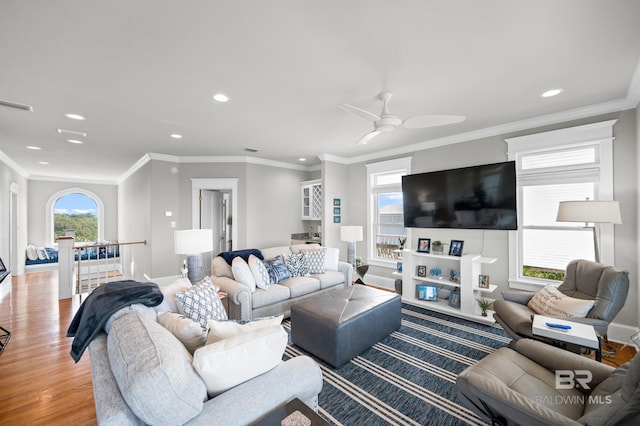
294, 412
580, 334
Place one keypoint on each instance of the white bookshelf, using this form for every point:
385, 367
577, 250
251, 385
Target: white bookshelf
469, 267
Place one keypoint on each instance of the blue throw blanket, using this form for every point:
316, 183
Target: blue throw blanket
229, 255
101, 304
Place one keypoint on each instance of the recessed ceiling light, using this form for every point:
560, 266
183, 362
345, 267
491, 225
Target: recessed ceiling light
176, 136
552, 92
72, 132
36, 148
74, 141
43, 162
302, 159
74, 116
220, 97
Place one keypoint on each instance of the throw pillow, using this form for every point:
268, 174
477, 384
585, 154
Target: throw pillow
259, 272
297, 264
550, 301
277, 270
154, 372
229, 362
185, 329
219, 330
32, 252
169, 292
220, 268
316, 260
201, 303
42, 253
242, 273
331, 258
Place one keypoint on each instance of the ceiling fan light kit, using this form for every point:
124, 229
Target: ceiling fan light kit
386, 122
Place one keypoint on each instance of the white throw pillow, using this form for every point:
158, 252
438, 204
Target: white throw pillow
220, 268
220, 330
550, 301
169, 292
185, 329
242, 273
229, 362
260, 273
331, 259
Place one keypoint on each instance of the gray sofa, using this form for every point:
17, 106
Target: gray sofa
278, 298
143, 375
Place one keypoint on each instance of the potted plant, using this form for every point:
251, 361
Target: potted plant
437, 247
484, 305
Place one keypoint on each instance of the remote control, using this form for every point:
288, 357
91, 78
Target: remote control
560, 326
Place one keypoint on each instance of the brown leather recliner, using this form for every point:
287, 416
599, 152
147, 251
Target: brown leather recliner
584, 279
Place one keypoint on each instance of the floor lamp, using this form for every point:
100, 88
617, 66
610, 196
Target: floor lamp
588, 211
193, 243
351, 234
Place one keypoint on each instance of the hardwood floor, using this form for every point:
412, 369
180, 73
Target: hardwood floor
39, 382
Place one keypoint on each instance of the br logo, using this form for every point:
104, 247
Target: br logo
569, 379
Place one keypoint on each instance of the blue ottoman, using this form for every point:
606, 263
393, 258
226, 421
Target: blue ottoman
340, 325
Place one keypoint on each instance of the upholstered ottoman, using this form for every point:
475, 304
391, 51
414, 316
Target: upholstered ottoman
339, 325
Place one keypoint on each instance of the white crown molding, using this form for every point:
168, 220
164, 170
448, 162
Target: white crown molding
13, 165
134, 168
633, 94
334, 159
73, 180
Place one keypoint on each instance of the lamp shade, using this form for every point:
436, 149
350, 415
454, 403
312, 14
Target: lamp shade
351, 233
194, 241
589, 211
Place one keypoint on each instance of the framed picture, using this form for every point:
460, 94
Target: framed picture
427, 292
336, 210
454, 299
399, 267
483, 281
336, 202
424, 245
336, 219
455, 248
421, 271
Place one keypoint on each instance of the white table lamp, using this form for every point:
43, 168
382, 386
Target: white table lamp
588, 211
351, 234
193, 243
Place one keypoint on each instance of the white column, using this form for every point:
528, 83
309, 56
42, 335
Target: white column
65, 267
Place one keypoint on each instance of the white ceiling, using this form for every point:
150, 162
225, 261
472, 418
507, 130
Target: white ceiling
141, 70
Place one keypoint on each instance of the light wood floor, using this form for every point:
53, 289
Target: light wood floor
39, 382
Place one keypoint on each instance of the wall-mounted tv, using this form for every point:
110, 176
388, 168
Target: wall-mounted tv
477, 197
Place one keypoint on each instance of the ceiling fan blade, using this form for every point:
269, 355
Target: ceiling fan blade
359, 112
421, 121
366, 138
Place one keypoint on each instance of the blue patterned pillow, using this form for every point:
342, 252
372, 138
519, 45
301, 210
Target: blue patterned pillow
298, 264
201, 303
278, 271
316, 260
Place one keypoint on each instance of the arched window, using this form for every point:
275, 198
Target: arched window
76, 209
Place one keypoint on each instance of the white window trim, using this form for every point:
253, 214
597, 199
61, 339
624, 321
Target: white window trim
372, 169
600, 133
51, 239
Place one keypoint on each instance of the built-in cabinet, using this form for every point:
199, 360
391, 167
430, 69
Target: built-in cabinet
457, 274
311, 199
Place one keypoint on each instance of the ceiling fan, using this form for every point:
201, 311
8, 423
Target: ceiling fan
386, 122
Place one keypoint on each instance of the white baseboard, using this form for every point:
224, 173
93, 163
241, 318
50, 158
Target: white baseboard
621, 333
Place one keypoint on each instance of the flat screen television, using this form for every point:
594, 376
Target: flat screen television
477, 197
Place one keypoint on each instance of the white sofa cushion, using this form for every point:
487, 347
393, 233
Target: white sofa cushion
242, 273
220, 268
229, 362
273, 252
153, 371
219, 330
189, 332
331, 258
550, 301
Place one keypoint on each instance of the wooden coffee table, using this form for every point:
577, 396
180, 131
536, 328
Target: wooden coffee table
580, 334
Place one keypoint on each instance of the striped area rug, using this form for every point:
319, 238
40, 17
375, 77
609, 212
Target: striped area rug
409, 377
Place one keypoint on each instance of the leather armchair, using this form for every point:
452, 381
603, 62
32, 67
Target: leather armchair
584, 279
519, 386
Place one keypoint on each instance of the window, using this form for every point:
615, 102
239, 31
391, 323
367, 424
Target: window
563, 165
76, 209
385, 213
